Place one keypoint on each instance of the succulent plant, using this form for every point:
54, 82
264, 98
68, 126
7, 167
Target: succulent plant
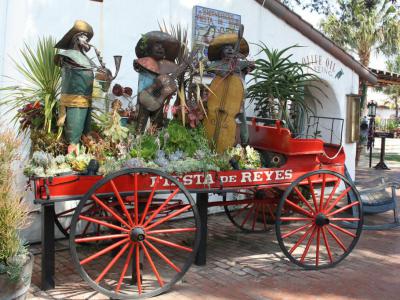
177, 155
42, 159
133, 163
59, 159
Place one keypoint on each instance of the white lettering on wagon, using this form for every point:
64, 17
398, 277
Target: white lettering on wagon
244, 177
268, 174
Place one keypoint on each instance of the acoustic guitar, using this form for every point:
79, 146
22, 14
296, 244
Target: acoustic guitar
154, 96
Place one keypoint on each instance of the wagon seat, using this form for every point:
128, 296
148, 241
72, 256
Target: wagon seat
275, 138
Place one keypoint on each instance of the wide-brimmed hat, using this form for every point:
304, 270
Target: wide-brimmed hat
170, 44
214, 49
79, 26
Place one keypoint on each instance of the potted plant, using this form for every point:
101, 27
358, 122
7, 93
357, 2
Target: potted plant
33, 99
279, 87
15, 260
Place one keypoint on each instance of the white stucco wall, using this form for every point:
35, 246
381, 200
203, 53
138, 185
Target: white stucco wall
118, 24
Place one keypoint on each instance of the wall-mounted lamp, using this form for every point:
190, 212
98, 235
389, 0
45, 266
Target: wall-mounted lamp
372, 108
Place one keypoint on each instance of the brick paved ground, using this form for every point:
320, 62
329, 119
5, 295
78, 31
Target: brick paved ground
251, 266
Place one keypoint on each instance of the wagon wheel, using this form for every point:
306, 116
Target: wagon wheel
152, 244
315, 237
63, 216
253, 210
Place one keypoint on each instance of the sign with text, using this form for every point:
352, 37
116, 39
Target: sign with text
323, 65
208, 23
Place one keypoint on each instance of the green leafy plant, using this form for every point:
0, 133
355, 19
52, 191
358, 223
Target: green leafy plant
279, 83
13, 212
146, 147
178, 137
40, 87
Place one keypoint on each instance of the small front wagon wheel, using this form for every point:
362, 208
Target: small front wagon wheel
326, 222
153, 240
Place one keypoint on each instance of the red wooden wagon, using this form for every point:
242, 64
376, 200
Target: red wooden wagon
136, 232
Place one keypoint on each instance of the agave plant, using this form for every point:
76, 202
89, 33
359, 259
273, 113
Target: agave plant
39, 89
279, 86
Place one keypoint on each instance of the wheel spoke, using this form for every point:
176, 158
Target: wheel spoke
332, 194
102, 252
162, 256
121, 202
170, 244
238, 212
342, 209
138, 279
126, 265
295, 219
135, 198
255, 216
161, 207
343, 230
302, 238
321, 201
99, 222
317, 250
149, 200
338, 199
247, 215
313, 194
302, 198
100, 238
271, 213
111, 211
298, 208
112, 263
264, 217
152, 265
177, 230
296, 230
178, 212
310, 240
336, 238
328, 249
344, 219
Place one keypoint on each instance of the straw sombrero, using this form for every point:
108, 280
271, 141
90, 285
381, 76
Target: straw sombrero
170, 44
79, 26
214, 49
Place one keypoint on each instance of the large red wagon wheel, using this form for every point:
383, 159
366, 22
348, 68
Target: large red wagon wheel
252, 210
152, 244
317, 234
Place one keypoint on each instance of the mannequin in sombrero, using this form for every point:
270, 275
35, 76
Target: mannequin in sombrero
227, 55
76, 84
156, 52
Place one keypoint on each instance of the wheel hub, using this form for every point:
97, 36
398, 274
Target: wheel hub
321, 220
137, 234
260, 195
